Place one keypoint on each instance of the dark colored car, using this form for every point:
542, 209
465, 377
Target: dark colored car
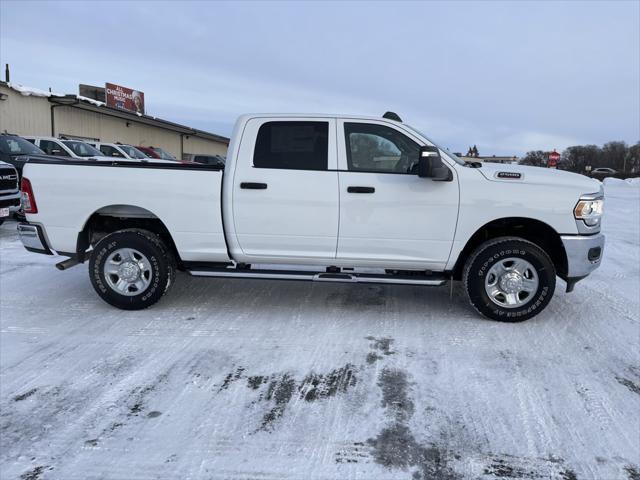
12, 147
601, 173
216, 160
9, 190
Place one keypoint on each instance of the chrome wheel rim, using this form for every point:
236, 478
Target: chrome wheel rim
511, 282
127, 272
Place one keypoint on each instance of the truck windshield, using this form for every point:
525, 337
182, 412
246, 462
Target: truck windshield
453, 157
133, 152
82, 149
11, 145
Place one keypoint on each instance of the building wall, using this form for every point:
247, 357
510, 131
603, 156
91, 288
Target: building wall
28, 115
24, 115
89, 124
201, 145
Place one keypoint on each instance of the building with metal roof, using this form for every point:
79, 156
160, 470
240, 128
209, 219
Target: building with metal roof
30, 111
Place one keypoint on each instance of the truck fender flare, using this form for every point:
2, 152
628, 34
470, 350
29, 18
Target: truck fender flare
121, 211
531, 229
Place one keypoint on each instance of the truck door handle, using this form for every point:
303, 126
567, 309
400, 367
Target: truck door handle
253, 186
361, 189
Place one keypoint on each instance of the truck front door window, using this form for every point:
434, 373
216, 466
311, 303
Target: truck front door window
292, 146
380, 149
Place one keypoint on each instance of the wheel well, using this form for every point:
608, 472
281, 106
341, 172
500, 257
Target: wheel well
118, 217
533, 230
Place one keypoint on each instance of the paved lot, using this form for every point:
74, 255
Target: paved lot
236, 379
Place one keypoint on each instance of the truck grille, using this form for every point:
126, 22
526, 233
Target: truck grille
8, 180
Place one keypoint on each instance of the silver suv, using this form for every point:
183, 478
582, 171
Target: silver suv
61, 147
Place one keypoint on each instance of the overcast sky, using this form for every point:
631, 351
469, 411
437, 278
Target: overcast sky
507, 76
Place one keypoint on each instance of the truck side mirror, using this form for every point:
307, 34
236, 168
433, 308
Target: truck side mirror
430, 165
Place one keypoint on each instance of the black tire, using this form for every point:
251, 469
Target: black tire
162, 268
1, 221
485, 256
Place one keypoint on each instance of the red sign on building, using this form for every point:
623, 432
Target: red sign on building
124, 98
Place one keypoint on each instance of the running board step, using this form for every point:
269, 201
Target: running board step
429, 280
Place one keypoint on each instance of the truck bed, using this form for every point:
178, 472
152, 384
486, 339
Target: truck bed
68, 193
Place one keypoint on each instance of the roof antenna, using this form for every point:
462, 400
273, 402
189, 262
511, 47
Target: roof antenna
392, 116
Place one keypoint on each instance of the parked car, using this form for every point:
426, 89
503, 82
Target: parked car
9, 188
322, 198
76, 150
603, 172
13, 148
119, 150
204, 159
61, 147
148, 151
157, 152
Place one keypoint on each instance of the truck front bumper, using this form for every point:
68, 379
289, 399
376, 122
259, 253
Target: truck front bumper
12, 200
33, 239
584, 253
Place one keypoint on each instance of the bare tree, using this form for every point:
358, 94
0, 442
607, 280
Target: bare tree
616, 154
632, 160
613, 155
579, 157
536, 158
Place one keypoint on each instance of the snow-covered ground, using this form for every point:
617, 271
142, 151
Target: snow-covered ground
232, 379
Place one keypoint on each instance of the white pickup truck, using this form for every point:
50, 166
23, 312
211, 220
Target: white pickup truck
322, 198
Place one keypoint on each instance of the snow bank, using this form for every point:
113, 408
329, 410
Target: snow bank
631, 182
97, 103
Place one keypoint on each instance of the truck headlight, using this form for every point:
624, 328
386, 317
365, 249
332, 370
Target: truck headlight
589, 211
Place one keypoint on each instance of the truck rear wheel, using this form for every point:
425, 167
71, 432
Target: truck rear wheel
131, 269
509, 279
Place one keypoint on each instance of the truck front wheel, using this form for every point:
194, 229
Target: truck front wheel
131, 269
509, 279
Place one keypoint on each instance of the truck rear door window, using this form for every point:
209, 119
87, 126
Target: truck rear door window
292, 146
